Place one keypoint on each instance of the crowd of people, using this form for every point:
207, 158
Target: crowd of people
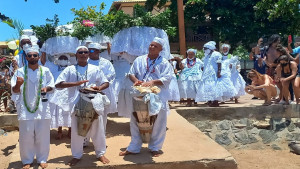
275, 77
58, 93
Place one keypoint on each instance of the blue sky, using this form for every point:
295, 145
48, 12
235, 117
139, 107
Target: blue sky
35, 12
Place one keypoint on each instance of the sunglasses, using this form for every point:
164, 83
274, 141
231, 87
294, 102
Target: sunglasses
83, 52
34, 55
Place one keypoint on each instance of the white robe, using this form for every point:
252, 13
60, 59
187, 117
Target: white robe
190, 78
60, 117
34, 134
163, 72
97, 130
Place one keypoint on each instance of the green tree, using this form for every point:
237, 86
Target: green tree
239, 22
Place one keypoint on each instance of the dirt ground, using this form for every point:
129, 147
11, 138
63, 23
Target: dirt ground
246, 159
7, 145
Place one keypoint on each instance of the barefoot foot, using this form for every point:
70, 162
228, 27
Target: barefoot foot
124, 153
43, 165
26, 166
104, 160
73, 162
156, 153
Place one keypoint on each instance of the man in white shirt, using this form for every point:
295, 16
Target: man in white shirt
151, 70
34, 116
110, 74
76, 77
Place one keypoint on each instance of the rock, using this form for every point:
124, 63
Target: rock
261, 124
292, 137
267, 136
279, 124
244, 137
246, 122
224, 125
223, 139
240, 126
275, 147
254, 131
208, 130
203, 125
291, 127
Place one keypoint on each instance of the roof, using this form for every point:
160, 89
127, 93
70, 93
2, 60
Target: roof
124, 1
117, 3
3, 44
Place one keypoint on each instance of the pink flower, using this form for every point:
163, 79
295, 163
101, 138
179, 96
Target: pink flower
88, 23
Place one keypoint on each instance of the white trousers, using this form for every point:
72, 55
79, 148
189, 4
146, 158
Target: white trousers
87, 138
97, 134
157, 137
34, 139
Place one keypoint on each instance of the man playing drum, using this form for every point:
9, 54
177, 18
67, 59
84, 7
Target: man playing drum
151, 70
76, 77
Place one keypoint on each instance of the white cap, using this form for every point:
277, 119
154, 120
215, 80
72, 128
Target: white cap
81, 47
95, 46
159, 41
24, 37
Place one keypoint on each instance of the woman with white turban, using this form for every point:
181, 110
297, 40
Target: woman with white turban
236, 78
190, 77
216, 85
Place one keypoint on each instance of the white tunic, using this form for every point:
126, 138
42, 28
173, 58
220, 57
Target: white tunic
142, 70
108, 70
32, 86
70, 74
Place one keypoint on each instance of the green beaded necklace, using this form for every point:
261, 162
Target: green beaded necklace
37, 102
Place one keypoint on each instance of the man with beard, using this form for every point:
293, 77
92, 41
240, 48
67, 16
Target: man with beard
34, 116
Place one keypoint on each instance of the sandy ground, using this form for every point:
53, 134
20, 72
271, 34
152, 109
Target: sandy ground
246, 159
7, 145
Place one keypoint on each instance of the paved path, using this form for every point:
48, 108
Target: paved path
185, 148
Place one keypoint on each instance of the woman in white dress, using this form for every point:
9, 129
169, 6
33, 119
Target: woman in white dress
236, 78
190, 77
216, 84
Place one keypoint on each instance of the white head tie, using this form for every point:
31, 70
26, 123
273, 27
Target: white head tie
34, 48
24, 37
210, 45
159, 41
81, 47
226, 46
192, 50
95, 46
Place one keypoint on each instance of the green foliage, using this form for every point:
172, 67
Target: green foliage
241, 52
115, 21
43, 32
200, 54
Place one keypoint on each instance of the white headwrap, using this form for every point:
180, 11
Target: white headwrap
210, 45
24, 37
192, 50
34, 48
81, 47
62, 54
159, 41
95, 46
226, 46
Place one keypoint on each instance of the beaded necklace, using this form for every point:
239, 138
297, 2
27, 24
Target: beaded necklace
191, 65
37, 102
77, 73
